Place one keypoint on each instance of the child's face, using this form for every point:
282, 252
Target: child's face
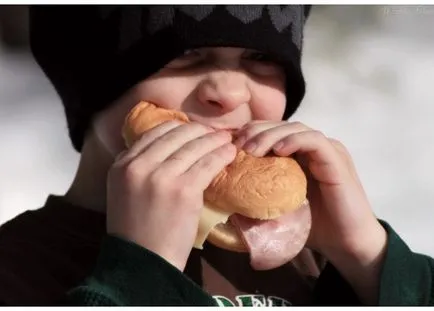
220, 87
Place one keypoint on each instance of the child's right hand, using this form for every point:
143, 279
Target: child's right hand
155, 189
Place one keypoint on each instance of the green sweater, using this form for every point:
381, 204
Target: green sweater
127, 274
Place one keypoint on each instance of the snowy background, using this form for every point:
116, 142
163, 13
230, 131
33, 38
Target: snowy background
370, 73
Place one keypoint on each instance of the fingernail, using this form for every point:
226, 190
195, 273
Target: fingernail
230, 155
239, 141
250, 147
224, 133
278, 146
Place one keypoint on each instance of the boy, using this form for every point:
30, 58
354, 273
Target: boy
232, 67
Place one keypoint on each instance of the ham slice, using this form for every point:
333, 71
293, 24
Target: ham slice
272, 243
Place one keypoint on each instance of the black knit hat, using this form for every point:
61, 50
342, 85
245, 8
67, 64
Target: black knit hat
93, 54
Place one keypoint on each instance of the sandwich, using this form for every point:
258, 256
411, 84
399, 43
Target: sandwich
255, 205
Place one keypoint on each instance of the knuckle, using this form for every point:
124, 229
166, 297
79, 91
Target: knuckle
209, 161
262, 138
219, 153
317, 134
131, 172
162, 185
183, 192
290, 139
203, 142
298, 124
165, 138
341, 148
158, 179
218, 137
158, 183
123, 175
200, 127
188, 148
249, 132
219, 157
337, 144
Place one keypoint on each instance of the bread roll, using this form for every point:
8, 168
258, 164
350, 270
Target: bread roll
255, 187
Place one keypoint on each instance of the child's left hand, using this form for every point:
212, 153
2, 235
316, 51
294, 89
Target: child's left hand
343, 224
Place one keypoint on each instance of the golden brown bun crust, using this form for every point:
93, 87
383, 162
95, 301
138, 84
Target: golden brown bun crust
260, 188
145, 116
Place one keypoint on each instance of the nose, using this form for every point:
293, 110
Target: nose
224, 90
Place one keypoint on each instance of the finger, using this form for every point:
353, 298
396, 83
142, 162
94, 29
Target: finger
262, 143
345, 154
163, 147
249, 133
120, 159
147, 138
324, 162
209, 166
120, 155
180, 161
256, 122
252, 129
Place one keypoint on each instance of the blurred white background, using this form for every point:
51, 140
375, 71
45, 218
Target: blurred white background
369, 71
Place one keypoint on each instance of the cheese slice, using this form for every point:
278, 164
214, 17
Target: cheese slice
209, 218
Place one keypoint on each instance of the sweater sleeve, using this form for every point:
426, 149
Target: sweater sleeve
406, 279
129, 275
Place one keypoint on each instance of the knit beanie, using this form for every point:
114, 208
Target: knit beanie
94, 54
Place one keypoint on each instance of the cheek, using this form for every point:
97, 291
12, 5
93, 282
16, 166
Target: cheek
168, 93
269, 103
107, 126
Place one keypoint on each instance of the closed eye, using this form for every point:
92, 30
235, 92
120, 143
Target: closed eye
262, 64
188, 59
262, 57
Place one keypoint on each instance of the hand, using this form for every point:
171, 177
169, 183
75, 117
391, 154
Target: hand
155, 189
343, 224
